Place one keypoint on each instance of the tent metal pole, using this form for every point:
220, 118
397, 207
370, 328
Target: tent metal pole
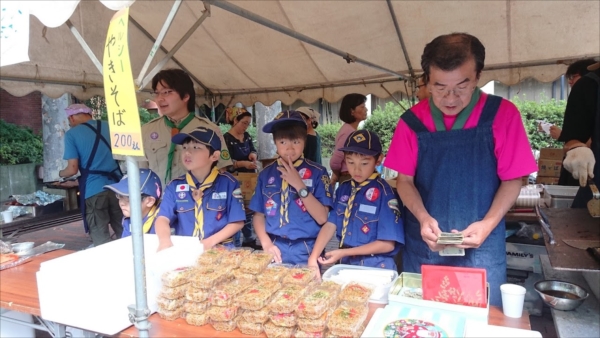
159, 39
399, 34
138, 313
175, 48
85, 46
227, 6
179, 64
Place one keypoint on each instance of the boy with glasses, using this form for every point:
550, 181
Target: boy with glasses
151, 191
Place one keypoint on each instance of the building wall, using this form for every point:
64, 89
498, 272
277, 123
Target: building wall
23, 111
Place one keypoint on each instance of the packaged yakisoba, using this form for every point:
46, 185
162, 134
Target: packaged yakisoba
249, 328
211, 256
284, 319
222, 313
286, 299
356, 293
300, 275
347, 319
241, 275
176, 277
314, 325
358, 334
274, 331
224, 326
208, 277
256, 262
196, 319
259, 316
173, 292
223, 294
233, 257
169, 304
274, 272
316, 302
257, 296
171, 314
196, 307
309, 334
333, 286
196, 295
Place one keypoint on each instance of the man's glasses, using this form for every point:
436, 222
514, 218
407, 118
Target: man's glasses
164, 92
443, 92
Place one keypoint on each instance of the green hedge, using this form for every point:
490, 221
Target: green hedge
552, 111
19, 145
327, 132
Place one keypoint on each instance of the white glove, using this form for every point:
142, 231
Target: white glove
580, 162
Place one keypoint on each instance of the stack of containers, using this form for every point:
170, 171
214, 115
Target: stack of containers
347, 320
549, 165
172, 295
315, 309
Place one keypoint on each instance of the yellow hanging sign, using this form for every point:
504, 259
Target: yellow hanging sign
119, 90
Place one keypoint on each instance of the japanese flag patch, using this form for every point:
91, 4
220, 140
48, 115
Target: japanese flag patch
183, 187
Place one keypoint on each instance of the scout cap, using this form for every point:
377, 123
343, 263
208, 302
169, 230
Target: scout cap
363, 142
311, 113
201, 135
285, 116
78, 108
149, 184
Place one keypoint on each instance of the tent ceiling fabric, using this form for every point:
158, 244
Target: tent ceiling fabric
241, 61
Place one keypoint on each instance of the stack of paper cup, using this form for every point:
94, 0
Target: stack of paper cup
513, 297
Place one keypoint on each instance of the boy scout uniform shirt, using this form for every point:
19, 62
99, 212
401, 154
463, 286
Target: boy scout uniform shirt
267, 200
127, 226
376, 215
222, 204
157, 142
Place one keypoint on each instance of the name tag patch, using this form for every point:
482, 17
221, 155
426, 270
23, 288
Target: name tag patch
219, 195
369, 209
308, 182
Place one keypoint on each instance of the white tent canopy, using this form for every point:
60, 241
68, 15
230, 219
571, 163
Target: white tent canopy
233, 59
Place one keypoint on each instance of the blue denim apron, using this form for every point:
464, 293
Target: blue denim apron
457, 179
585, 194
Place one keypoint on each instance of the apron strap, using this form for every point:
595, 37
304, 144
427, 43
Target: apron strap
490, 109
413, 122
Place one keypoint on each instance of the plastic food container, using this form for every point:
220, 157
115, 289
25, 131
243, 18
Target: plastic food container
222, 313
259, 316
222, 295
300, 333
196, 319
257, 297
381, 279
249, 328
256, 262
224, 326
284, 319
314, 325
211, 256
173, 292
207, 278
196, 295
356, 293
171, 315
316, 303
233, 258
347, 319
274, 331
300, 276
196, 308
176, 277
286, 300
241, 275
169, 304
273, 273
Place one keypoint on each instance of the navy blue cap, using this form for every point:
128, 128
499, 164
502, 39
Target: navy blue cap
149, 184
363, 142
284, 116
202, 135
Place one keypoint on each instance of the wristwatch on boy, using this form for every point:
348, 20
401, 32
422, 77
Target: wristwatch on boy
303, 192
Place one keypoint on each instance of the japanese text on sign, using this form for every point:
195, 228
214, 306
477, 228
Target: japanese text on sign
121, 105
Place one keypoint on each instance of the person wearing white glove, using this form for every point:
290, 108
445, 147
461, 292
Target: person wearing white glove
580, 162
581, 123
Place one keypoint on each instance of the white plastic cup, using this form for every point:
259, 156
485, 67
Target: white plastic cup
7, 216
513, 297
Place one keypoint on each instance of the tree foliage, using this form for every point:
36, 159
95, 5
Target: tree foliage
552, 111
327, 132
19, 145
383, 122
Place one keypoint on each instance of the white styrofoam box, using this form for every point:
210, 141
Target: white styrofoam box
413, 280
91, 289
479, 330
524, 257
380, 294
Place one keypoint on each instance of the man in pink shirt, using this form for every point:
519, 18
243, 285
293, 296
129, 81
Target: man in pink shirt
460, 156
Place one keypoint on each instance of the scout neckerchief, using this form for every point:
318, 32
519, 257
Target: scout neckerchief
348, 211
150, 219
174, 131
198, 194
285, 194
461, 119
